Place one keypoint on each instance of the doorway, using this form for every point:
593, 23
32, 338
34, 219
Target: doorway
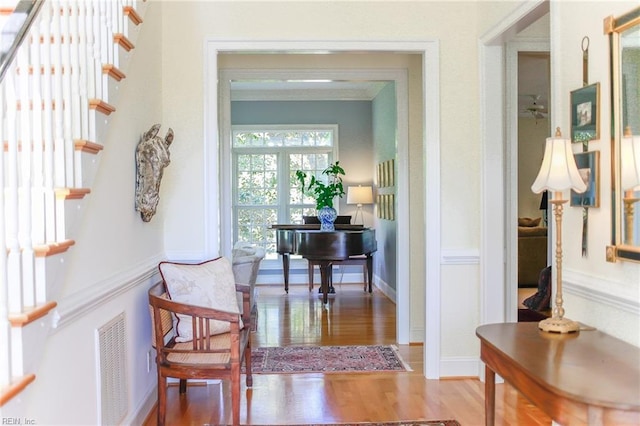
499, 158
430, 114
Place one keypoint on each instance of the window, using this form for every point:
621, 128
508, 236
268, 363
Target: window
265, 190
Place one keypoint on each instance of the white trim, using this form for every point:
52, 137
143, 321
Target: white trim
588, 287
493, 301
511, 168
459, 366
385, 288
520, 18
460, 257
212, 198
432, 188
85, 301
430, 52
492, 228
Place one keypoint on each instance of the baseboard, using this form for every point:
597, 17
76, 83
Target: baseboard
143, 410
459, 367
385, 288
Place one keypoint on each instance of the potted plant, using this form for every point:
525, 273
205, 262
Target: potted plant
324, 193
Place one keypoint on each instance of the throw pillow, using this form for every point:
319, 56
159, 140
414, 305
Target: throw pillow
210, 284
540, 301
529, 222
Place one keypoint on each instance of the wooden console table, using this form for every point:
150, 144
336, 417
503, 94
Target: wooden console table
585, 378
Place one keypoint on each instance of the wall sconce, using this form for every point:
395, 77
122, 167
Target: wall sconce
558, 173
359, 195
629, 178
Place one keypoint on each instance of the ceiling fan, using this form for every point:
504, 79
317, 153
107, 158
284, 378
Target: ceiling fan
534, 108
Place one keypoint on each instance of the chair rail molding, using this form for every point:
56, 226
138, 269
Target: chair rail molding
76, 305
460, 257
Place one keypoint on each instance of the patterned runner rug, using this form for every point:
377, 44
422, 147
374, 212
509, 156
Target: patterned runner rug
402, 423
327, 359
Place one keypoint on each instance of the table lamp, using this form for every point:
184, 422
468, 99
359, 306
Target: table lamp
558, 173
359, 195
629, 178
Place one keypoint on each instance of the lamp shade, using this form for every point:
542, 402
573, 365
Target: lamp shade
558, 171
630, 162
359, 195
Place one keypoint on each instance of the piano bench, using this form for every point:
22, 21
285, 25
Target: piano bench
354, 260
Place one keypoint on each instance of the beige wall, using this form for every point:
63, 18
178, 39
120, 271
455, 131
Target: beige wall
183, 82
165, 84
605, 295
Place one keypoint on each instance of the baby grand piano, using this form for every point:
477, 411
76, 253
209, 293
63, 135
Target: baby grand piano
324, 248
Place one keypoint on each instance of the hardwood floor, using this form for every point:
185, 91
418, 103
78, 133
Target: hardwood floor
351, 317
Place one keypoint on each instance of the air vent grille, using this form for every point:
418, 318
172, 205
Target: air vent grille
113, 383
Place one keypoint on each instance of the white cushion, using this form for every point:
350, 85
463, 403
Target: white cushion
210, 284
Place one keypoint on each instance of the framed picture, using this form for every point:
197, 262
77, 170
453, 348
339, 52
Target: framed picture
585, 113
391, 172
589, 167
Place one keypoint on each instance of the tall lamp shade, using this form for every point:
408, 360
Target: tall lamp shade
359, 195
630, 161
629, 179
558, 173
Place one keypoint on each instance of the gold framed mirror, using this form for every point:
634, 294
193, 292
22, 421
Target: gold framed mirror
624, 42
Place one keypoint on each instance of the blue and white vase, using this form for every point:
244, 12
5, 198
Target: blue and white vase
327, 215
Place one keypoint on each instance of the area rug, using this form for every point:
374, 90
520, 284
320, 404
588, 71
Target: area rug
402, 423
326, 359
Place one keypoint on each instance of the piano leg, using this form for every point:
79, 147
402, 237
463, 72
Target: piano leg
370, 270
325, 277
332, 289
285, 269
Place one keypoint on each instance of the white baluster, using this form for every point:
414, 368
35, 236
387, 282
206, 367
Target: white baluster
85, 68
14, 268
5, 326
67, 107
38, 233
106, 38
91, 47
113, 53
124, 18
58, 101
116, 17
48, 129
74, 60
26, 179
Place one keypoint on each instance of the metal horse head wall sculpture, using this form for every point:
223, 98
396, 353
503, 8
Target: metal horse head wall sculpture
152, 156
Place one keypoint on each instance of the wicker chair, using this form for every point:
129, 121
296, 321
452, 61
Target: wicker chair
246, 260
205, 357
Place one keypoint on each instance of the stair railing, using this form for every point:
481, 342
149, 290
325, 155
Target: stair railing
54, 84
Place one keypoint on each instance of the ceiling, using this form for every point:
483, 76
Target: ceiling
533, 87
533, 83
308, 90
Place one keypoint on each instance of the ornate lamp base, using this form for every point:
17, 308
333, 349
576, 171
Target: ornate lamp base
558, 325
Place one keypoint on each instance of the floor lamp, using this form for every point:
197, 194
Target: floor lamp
558, 173
359, 195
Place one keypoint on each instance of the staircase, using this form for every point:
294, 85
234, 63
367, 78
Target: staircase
56, 91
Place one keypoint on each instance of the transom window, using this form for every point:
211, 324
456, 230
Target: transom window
265, 190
